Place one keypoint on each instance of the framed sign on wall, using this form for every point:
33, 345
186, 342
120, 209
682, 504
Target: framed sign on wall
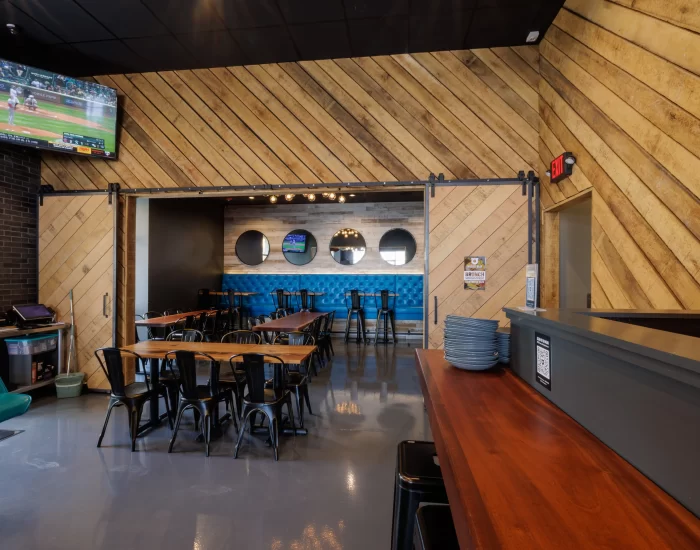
475, 273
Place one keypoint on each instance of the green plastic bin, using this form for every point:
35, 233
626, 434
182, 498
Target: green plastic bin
69, 385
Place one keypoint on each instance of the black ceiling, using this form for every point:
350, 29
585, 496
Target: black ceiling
86, 37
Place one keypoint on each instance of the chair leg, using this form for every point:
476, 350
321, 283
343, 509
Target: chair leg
174, 396
244, 421
305, 390
133, 425
347, 325
104, 428
300, 406
275, 436
376, 328
291, 414
234, 409
168, 409
330, 345
207, 431
393, 326
180, 412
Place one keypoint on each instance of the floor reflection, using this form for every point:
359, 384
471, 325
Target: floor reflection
331, 489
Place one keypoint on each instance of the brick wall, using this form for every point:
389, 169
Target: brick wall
19, 184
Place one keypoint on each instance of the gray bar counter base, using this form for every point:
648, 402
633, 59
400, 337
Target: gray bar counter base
635, 388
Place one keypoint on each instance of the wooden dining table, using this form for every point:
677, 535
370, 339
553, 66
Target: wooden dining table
170, 320
291, 323
157, 349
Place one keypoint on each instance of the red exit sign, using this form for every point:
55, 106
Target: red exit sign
560, 169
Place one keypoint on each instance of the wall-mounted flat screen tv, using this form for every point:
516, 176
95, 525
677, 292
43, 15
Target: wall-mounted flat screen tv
294, 242
60, 113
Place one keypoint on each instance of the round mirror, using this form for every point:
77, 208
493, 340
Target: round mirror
348, 247
397, 247
299, 247
252, 248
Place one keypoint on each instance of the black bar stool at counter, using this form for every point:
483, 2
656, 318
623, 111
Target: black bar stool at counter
356, 307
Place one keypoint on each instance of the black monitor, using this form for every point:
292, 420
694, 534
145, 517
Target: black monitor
32, 314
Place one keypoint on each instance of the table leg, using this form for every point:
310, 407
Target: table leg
155, 416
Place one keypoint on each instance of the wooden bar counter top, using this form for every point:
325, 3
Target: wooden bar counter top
522, 474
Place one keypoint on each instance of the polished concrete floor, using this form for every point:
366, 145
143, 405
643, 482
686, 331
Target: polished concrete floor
331, 489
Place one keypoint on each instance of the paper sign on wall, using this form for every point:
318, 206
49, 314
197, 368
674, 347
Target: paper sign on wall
543, 360
531, 274
475, 273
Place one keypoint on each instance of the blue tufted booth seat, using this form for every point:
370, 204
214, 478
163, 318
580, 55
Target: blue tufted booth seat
408, 306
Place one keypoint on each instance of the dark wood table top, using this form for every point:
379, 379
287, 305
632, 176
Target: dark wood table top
290, 323
156, 349
225, 293
169, 320
520, 473
297, 293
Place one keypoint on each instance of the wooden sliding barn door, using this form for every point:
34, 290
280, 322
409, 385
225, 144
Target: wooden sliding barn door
490, 221
76, 251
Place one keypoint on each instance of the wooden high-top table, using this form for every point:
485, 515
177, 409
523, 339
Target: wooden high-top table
520, 473
291, 323
157, 349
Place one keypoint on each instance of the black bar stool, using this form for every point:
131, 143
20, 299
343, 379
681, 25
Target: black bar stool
281, 301
356, 307
434, 529
418, 479
387, 313
304, 300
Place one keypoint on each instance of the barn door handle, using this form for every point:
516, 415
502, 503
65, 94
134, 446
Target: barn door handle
435, 310
104, 304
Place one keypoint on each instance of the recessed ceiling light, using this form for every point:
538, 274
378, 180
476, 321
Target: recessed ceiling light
351, 195
251, 198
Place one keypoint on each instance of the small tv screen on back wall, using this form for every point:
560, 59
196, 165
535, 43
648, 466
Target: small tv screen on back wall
60, 113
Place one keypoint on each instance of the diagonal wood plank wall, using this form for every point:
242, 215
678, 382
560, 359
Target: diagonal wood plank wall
466, 114
620, 88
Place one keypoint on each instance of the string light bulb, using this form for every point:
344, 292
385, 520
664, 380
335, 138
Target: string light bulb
341, 199
273, 199
289, 197
331, 196
311, 197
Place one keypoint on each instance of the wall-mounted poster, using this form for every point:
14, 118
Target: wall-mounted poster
531, 276
475, 273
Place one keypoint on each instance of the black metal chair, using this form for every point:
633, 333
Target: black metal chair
212, 326
268, 401
303, 300
132, 396
201, 321
355, 307
262, 319
385, 312
203, 399
324, 341
171, 312
314, 329
154, 334
298, 381
170, 377
230, 382
279, 301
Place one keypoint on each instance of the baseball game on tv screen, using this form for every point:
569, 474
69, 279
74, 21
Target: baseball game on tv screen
50, 111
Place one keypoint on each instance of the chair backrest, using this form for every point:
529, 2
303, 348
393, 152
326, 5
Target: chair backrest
383, 296
113, 368
329, 324
303, 299
171, 312
185, 335
232, 298
201, 322
296, 339
152, 314
254, 368
241, 337
186, 362
356, 299
137, 339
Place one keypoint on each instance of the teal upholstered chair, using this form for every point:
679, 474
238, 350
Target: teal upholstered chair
12, 404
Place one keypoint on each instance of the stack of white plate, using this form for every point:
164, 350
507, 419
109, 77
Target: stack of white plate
471, 344
503, 344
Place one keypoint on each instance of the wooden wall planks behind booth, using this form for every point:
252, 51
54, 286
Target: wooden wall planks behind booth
620, 89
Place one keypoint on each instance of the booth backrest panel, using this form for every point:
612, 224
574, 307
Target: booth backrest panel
409, 305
